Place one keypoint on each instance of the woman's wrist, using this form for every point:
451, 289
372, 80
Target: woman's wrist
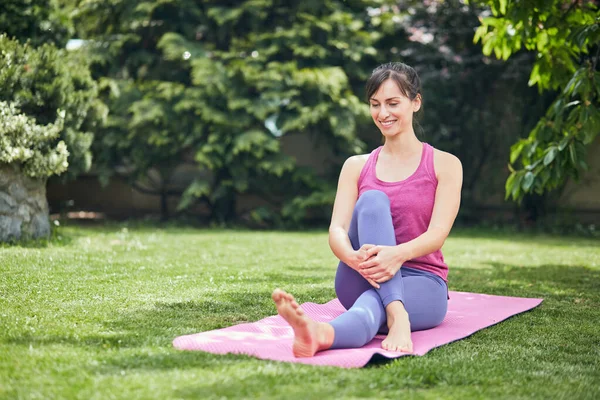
402, 253
348, 257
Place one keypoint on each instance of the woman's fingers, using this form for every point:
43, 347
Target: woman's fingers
382, 279
370, 263
373, 250
373, 283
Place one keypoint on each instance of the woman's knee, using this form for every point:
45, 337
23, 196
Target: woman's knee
373, 201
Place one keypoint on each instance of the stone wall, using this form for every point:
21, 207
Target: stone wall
23, 205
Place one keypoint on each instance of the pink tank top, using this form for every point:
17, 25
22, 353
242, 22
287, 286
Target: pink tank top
411, 202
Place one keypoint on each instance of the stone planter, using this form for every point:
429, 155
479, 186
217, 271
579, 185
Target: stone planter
23, 205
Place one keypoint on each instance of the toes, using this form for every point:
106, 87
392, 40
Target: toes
279, 295
276, 295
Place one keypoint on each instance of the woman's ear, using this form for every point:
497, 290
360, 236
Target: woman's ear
417, 103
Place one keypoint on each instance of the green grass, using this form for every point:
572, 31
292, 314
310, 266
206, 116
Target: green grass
92, 314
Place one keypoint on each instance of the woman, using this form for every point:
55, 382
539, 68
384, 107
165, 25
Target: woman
393, 210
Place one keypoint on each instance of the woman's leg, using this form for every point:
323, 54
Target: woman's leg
423, 302
371, 224
414, 300
423, 298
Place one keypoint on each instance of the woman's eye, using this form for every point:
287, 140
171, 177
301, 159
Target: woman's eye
374, 105
393, 104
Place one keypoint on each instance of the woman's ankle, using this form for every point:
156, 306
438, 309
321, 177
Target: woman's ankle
395, 311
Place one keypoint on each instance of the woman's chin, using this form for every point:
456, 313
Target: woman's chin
389, 133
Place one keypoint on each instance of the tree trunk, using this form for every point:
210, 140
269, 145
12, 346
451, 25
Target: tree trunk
164, 206
23, 205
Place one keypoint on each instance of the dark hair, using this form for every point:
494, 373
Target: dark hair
405, 77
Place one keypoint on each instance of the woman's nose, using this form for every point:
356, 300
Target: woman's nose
383, 112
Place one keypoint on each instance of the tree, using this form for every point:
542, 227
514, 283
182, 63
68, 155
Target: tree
29, 154
565, 37
219, 84
38, 21
47, 100
40, 81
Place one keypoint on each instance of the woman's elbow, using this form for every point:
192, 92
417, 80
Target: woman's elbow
441, 235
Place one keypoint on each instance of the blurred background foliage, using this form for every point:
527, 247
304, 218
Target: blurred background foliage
214, 87
564, 36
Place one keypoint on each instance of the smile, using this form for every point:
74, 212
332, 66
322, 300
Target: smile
385, 124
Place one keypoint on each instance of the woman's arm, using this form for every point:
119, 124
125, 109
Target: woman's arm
343, 207
445, 209
385, 261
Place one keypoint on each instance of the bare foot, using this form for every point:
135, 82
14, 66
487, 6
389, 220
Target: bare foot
309, 336
398, 338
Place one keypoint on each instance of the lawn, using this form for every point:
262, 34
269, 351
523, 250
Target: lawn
92, 314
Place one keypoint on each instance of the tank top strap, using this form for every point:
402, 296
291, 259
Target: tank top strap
427, 161
369, 165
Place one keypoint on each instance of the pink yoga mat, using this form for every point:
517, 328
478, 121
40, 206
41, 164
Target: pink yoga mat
271, 337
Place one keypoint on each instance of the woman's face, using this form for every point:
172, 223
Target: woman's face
392, 112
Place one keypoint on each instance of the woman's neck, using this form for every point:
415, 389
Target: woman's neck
403, 145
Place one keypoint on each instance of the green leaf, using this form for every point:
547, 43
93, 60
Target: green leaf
573, 153
550, 155
508, 187
516, 187
528, 181
563, 143
503, 4
516, 150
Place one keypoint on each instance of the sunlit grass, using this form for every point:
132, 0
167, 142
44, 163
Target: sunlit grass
92, 314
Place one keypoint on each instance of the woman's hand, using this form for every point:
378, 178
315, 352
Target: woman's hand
382, 264
359, 256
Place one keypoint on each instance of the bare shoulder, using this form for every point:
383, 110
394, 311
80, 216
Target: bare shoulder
355, 163
352, 167
358, 160
446, 164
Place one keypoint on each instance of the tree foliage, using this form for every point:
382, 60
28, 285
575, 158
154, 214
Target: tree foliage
565, 37
42, 80
473, 106
219, 84
30, 146
38, 21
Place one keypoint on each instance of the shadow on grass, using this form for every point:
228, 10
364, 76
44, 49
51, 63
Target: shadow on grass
107, 341
58, 238
556, 281
176, 359
540, 238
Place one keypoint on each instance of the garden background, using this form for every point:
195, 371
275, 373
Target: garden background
243, 112
187, 152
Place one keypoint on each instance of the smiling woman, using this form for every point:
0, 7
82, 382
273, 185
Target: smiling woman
394, 94
393, 210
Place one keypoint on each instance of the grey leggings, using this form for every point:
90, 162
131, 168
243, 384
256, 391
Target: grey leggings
424, 295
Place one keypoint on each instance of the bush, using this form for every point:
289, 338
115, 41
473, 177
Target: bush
33, 147
40, 81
